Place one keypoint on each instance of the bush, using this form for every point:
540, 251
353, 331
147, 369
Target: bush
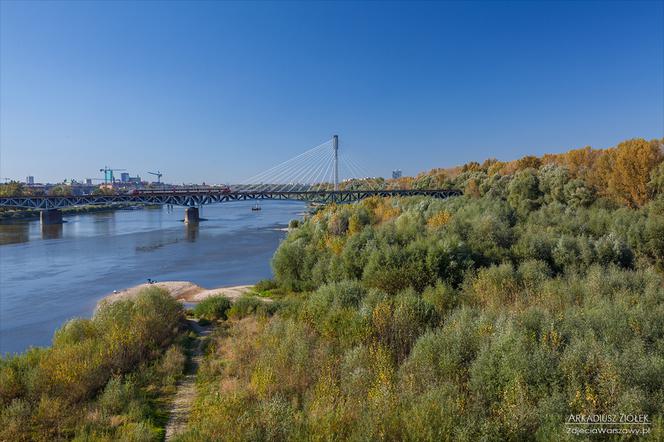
213, 308
96, 370
442, 297
249, 305
265, 285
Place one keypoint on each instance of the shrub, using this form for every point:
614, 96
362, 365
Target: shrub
442, 297
248, 305
496, 286
264, 285
213, 308
96, 370
524, 193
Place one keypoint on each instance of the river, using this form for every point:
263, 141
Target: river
48, 276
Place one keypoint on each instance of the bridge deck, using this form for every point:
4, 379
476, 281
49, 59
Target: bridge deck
199, 198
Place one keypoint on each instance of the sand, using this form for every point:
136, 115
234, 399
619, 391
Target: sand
184, 291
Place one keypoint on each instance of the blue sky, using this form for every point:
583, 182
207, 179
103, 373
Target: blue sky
217, 92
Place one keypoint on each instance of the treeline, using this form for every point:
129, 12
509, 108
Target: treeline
492, 316
103, 379
14, 188
629, 174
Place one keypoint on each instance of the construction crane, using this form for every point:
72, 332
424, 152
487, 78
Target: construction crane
108, 174
158, 174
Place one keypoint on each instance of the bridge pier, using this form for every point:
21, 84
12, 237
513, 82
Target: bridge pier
50, 216
191, 215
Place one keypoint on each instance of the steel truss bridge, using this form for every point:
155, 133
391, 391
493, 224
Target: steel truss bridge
200, 198
312, 176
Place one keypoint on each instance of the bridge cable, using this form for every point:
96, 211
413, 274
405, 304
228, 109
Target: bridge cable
274, 168
286, 164
321, 176
294, 174
274, 176
307, 175
324, 180
363, 172
294, 180
355, 173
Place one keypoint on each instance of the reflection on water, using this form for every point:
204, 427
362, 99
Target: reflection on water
14, 233
51, 274
103, 223
192, 231
51, 231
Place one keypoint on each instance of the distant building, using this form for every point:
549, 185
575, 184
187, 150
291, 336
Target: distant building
124, 177
88, 181
396, 174
30, 180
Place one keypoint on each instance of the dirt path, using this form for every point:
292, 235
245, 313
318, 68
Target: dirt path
186, 390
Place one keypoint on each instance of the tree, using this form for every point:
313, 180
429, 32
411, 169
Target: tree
580, 162
633, 162
657, 180
578, 194
60, 190
12, 188
103, 191
473, 166
552, 182
528, 162
524, 194
424, 182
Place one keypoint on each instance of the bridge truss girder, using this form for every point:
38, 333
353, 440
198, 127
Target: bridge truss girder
203, 198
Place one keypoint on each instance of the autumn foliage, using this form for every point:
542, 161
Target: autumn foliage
622, 174
100, 378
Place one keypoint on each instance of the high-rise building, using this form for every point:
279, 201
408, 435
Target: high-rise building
396, 174
124, 177
30, 180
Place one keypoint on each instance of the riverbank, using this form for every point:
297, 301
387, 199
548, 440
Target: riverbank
183, 291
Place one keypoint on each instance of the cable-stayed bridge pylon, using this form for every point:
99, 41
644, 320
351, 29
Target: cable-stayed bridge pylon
317, 169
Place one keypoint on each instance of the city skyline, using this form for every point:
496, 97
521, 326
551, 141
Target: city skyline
219, 92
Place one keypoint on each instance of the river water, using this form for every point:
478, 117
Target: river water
50, 275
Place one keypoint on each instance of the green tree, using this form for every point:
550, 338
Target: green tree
552, 181
524, 194
60, 190
12, 188
656, 182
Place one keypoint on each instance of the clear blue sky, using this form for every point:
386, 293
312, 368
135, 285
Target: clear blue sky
217, 92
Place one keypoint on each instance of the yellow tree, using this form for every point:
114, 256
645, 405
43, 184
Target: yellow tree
632, 163
580, 162
528, 162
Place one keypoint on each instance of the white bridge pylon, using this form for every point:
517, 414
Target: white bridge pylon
317, 169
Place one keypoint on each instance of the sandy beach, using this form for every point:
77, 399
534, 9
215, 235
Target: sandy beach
184, 291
